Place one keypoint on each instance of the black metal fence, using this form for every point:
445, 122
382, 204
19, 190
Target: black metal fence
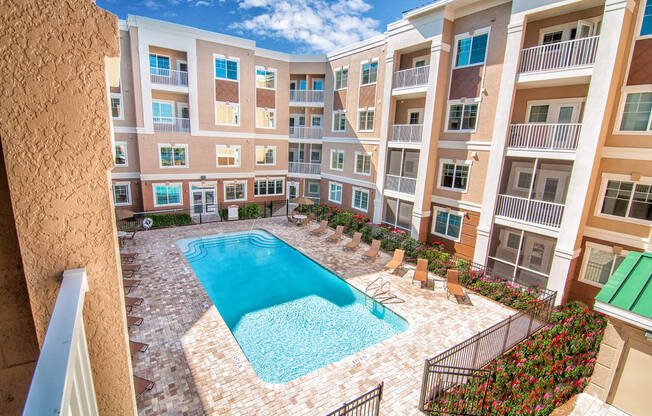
449, 380
366, 405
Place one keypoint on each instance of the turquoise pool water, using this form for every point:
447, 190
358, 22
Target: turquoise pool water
289, 315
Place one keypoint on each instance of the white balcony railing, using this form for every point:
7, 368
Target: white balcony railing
544, 136
407, 133
63, 382
300, 132
530, 210
413, 77
304, 167
168, 77
307, 96
171, 124
400, 184
560, 55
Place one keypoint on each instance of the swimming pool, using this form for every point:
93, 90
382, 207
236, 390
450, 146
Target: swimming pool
289, 315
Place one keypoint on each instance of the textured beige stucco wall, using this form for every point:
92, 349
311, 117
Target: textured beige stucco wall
55, 131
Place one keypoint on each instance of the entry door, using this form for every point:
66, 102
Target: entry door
203, 200
551, 186
293, 190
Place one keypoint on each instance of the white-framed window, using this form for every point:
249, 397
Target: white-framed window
335, 192
471, 50
163, 112
447, 223
342, 78
315, 120
116, 106
313, 187
159, 65
173, 155
599, 263
226, 68
121, 193
227, 156
227, 114
318, 84
623, 198
646, 21
454, 175
337, 159
634, 111
265, 78
360, 199
266, 118
265, 155
121, 158
235, 191
369, 73
167, 194
315, 156
462, 117
513, 241
362, 163
339, 120
267, 187
366, 120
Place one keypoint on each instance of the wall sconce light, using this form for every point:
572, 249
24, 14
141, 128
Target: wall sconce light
474, 155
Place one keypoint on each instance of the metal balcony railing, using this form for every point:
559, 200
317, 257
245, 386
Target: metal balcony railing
171, 124
400, 184
307, 96
305, 168
406, 133
530, 210
413, 77
560, 55
560, 136
164, 76
300, 132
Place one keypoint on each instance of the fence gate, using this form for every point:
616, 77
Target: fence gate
366, 405
455, 390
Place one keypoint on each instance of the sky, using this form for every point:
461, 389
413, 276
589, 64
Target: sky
292, 26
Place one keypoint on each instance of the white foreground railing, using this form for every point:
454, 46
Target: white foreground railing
400, 184
168, 77
413, 77
307, 96
530, 210
407, 133
303, 167
63, 382
171, 124
560, 55
300, 132
545, 136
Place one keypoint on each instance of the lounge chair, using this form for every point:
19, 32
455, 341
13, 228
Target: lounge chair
354, 243
133, 321
453, 285
136, 347
129, 284
421, 274
373, 250
128, 270
396, 261
141, 385
131, 302
337, 235
128, 256
321, 229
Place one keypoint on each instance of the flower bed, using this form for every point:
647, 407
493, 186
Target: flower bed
543, 372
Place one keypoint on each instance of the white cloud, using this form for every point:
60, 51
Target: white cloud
320, 25
153, 4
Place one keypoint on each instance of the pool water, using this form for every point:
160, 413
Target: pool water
289, 315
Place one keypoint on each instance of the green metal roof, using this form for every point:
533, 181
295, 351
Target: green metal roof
630, 287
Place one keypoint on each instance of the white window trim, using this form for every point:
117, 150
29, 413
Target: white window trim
566, 28
169, 185
180, 106
323, 83
320, 155
363, 63
442, 162
128, 185
645, 180
273, 110
224, 146
625, 90
173, 146
179, 62
266, 180
228, 58
368, 109
355, 165
330, 165
274, 70
236, 105
172, 103
353, 191
318, 188
450, 212
314, 116
461, 36
553, 103
341, 192
162, 56
639, 24
342, 112
476, 100
585, 260
126, 164
415, 110
335, 78
265, 147
226, 183
118, 95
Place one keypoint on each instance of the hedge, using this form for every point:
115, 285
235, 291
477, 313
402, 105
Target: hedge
166, 220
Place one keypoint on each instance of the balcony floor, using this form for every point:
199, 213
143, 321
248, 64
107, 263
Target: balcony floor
199, 368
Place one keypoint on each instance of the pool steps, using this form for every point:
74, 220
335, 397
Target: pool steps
197, 249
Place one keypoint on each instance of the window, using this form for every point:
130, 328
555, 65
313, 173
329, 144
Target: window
264, 187
227, 114
471, 50
414, 117
628, 200
235, 191
121, 154
167, 195
524, 180
553, 37
226, 69
599, 263
302, 84
337, 159
159, 65
265, 118
636, 112
265, 155
121, 193
366, 120
162, 112
335, 192
538, 113
315, 121
339, 120
455, 176
369, 73
513, 241
173, 156
318, 84
360, 199
646, 24
448, 224
266, 78
341, 78
227, 156
116, 106
313, 187
462, 117
363, 163
315, 156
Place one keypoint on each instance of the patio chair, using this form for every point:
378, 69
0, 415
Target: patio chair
396, 261
373, 250
453, 285
321, 229
136, 347
337, 235
354, 243
421, 273
129, 257
131, 302
129, 284
305, 222
134, 321
141, 385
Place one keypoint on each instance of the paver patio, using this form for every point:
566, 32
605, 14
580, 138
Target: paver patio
199, 368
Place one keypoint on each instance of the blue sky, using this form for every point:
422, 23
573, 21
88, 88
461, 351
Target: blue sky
293, 26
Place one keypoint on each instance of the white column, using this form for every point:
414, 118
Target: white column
145, 82
384, 136
499, 137
193, 98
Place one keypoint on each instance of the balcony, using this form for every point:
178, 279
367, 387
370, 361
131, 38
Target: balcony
304, 168
300, 132
544, 137
171, 125
411, 78
400, 184
168, 77
548, 214
306, 98
406, 133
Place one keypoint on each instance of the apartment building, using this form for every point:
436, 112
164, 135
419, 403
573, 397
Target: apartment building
514, 132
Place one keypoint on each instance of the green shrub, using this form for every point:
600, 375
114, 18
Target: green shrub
249, 211
167, 220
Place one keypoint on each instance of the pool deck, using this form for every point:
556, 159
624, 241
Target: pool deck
199, 368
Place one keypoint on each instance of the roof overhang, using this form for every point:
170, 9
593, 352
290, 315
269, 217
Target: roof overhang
629, 317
